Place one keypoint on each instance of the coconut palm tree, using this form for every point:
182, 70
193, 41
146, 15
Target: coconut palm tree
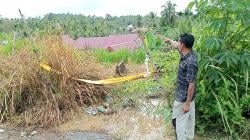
168, 14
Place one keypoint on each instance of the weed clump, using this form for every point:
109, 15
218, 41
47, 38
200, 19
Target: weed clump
30, 95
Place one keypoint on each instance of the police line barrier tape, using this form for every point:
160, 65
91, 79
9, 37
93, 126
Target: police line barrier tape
100, 82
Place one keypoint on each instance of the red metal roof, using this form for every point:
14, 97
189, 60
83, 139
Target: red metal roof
114, 41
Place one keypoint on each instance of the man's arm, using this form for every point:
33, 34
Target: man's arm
191, 76
172, 42
191, 87
190, 93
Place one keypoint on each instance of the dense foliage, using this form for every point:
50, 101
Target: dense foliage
78, 25
222, 36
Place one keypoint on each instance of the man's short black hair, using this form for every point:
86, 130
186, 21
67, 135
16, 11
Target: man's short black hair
187, 39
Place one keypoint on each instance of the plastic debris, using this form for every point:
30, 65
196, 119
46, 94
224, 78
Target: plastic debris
91, 110
23, 134
33, 133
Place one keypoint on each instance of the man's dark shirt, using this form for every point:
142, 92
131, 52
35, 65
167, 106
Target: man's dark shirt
187, 72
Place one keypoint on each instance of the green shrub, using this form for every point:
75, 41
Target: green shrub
7, 48
222, 34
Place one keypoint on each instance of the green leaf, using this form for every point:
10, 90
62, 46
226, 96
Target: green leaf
191, 5
213, 42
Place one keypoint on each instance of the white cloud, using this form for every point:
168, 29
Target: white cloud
33, 8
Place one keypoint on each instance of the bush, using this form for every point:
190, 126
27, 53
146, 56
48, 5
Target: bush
224, 64
32, 96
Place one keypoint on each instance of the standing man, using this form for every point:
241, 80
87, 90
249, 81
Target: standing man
184, 106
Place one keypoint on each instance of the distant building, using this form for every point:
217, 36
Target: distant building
130, 28
112, 42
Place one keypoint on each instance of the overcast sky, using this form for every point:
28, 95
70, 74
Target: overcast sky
34, 8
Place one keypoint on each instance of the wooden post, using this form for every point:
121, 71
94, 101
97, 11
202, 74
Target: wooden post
14, 44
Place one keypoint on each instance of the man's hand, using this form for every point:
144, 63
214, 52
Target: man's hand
186, 107
167, 40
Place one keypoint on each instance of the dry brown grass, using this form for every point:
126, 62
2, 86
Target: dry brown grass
31, 96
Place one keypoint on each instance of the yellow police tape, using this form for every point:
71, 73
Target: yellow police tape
101, 82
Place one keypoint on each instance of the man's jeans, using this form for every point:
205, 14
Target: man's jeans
185, 122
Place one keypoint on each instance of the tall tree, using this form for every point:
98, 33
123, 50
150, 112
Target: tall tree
151, 20
139, 20
108, 17
168, 14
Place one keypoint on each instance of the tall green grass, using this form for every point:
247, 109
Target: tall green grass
6, 49
136, 56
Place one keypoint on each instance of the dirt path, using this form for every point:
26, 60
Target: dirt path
47, 135
129, 125
126, 124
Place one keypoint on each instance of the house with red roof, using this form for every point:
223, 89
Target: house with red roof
111, 42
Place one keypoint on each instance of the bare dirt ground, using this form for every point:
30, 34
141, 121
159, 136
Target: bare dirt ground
126, 124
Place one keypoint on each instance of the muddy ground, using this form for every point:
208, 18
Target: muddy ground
126, 124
